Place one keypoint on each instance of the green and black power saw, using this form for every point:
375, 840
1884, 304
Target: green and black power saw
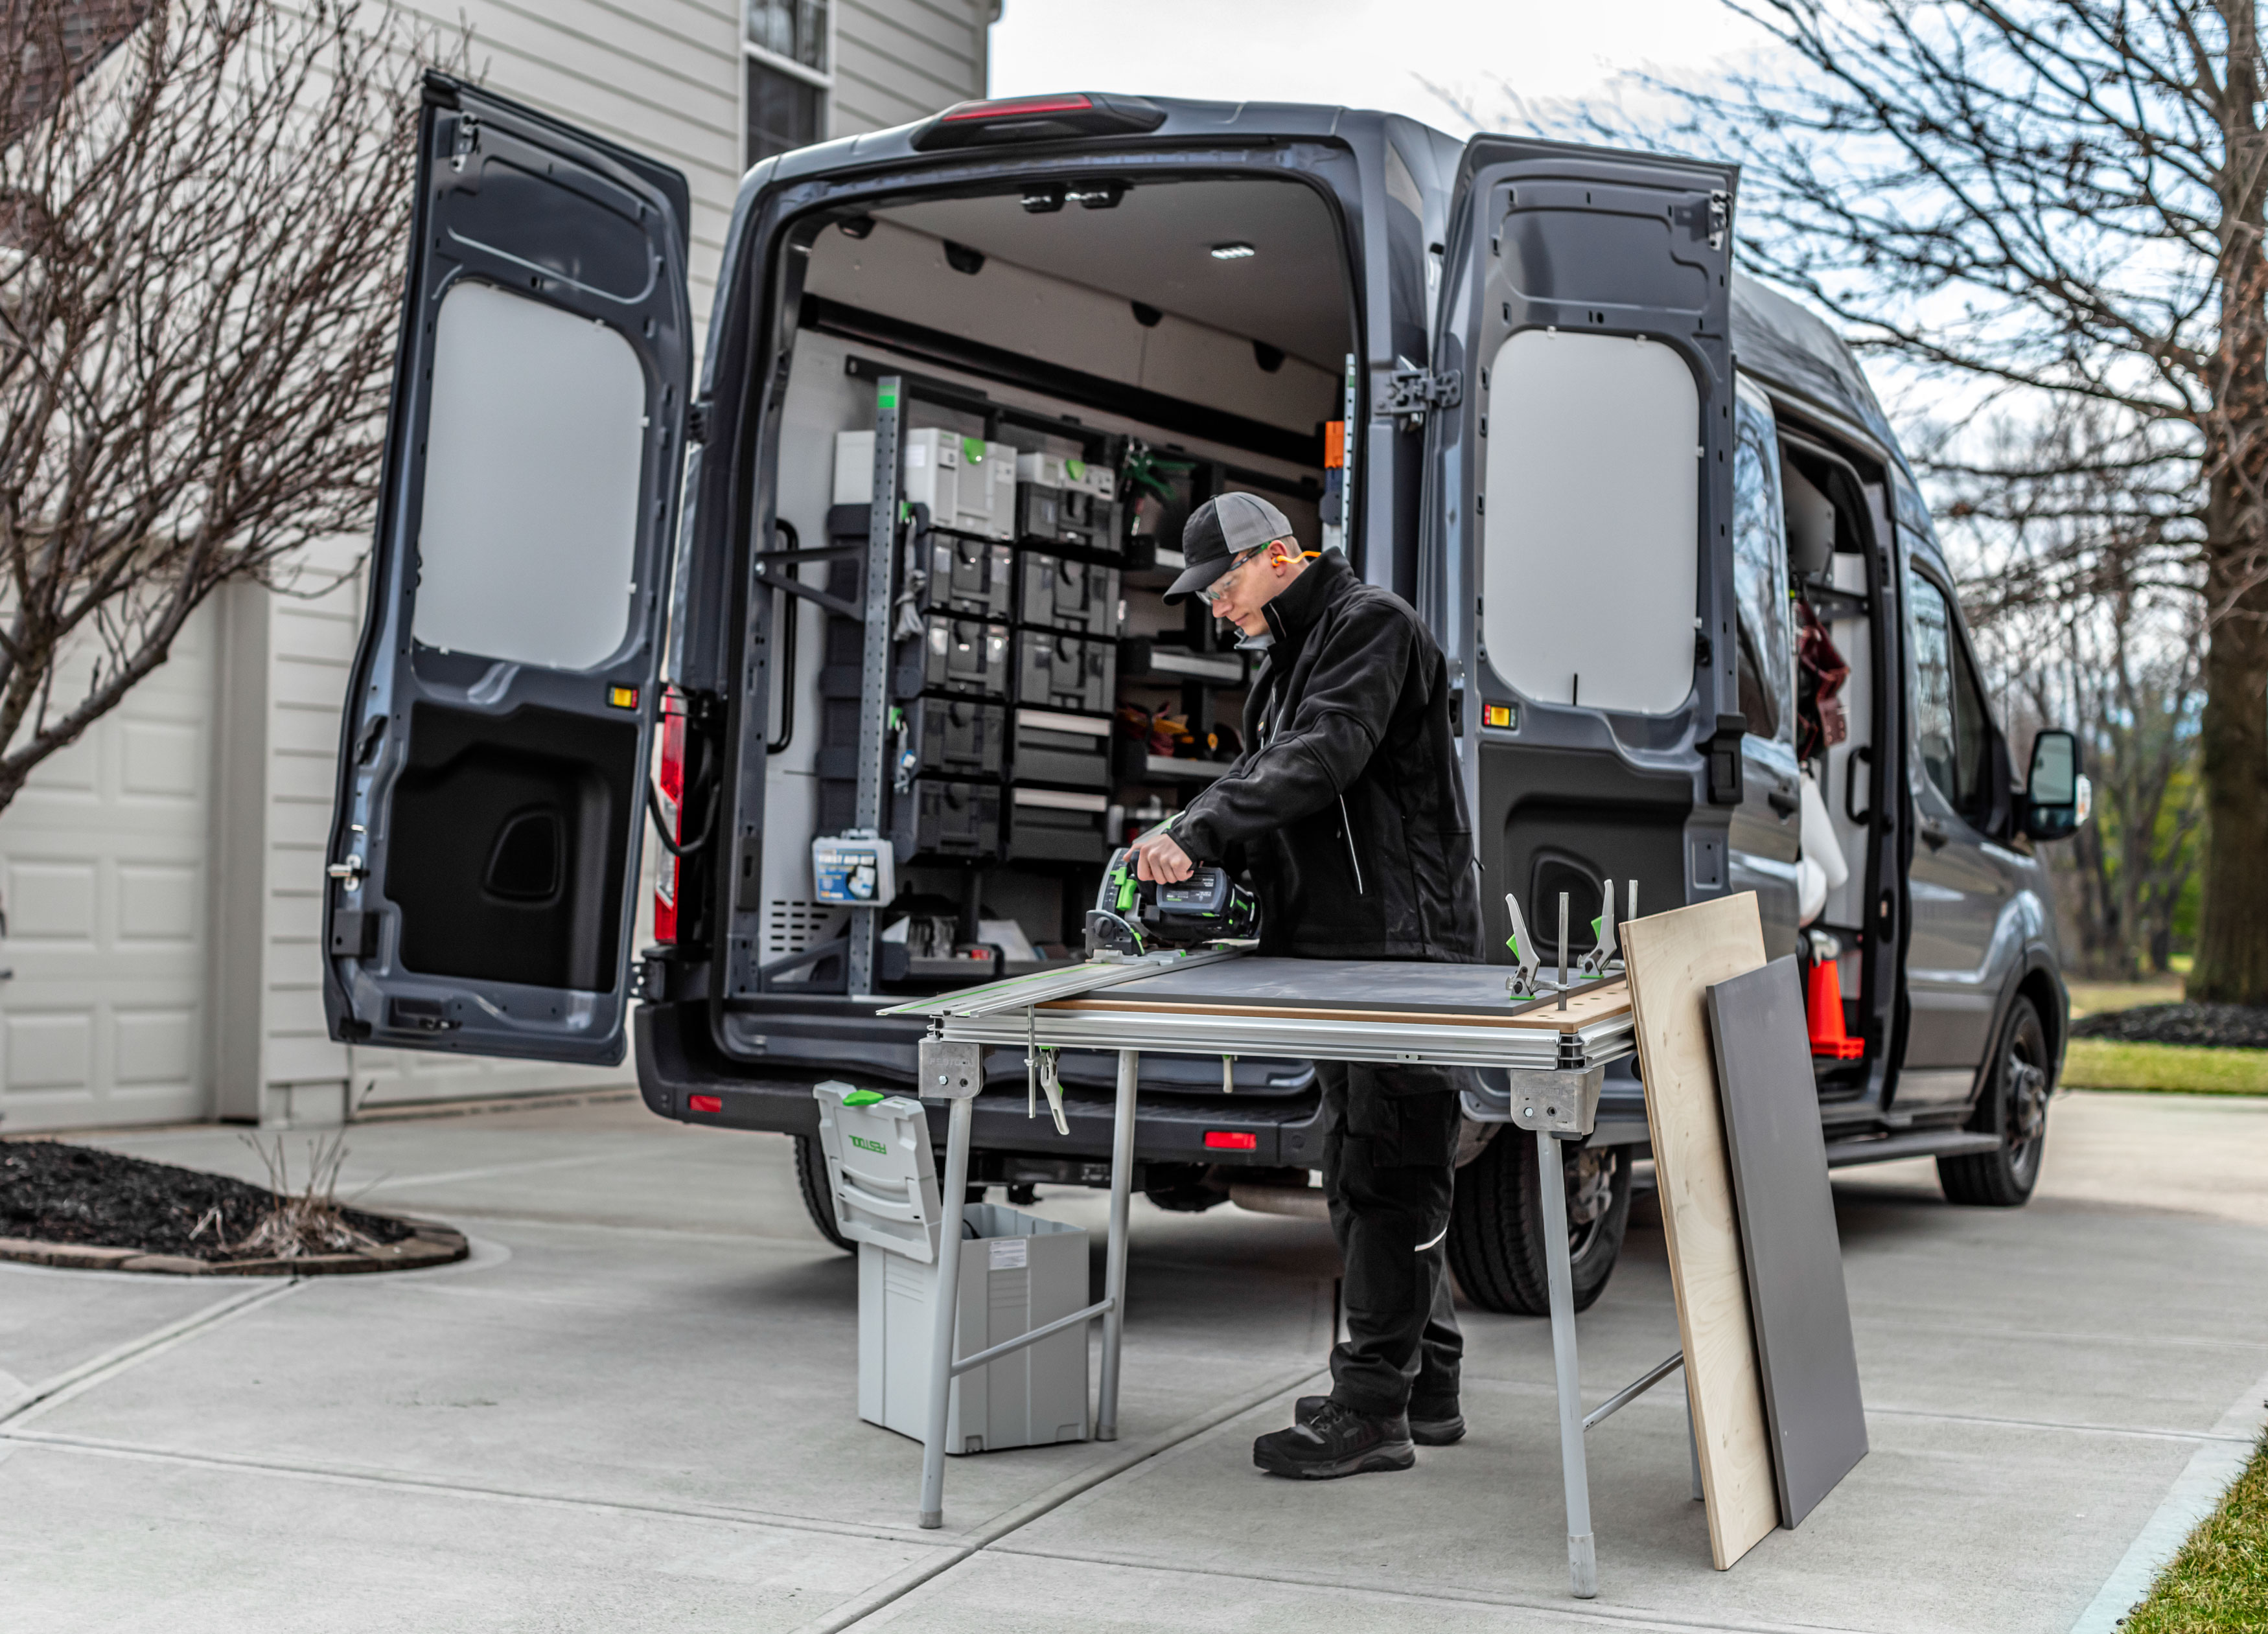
1132, 917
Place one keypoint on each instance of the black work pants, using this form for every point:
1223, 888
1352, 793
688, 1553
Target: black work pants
1389, 1174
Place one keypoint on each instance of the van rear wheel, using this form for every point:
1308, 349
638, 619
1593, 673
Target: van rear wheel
818, 1196
1495, 1223
2015, 1108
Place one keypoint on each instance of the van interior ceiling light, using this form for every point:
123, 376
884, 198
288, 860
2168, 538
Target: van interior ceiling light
1042, 201
1238, 251
1096, 194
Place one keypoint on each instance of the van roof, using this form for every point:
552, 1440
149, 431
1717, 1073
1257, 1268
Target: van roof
1783, 344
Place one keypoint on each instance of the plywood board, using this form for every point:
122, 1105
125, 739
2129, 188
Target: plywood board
1673, 960
1796, 1297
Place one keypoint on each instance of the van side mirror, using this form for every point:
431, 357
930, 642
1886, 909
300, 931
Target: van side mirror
2058, 797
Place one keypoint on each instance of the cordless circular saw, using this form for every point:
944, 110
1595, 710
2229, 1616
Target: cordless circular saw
1132, 917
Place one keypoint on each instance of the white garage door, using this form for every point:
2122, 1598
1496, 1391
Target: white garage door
103, 859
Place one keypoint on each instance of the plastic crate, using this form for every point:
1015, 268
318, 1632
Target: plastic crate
1061, 593
1063, 672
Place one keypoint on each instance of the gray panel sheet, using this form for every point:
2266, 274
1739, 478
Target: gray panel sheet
1788, 1238
1410, 985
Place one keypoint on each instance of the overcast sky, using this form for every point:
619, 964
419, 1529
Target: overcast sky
1360, 53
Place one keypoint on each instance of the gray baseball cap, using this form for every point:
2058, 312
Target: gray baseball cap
1220, 531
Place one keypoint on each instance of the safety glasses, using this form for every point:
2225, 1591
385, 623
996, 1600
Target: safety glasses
1212, 593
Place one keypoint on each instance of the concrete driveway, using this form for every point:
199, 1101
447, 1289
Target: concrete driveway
634, 1408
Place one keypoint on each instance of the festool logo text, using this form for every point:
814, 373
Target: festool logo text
868, 1146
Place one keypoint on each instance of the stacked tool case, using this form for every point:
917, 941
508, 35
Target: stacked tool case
1036, 701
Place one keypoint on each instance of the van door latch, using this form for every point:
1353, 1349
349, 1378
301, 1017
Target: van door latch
1409, 393
1721, 218
350, 871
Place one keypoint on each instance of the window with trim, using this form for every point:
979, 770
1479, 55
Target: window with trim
1766, 659
1949, 718
787, 46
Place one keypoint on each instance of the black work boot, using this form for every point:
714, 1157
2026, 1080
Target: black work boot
1429, 1426
1336, 1440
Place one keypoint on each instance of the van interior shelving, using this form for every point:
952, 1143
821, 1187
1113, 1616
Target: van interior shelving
1127, 351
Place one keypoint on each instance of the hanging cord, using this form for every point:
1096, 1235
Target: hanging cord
677, 848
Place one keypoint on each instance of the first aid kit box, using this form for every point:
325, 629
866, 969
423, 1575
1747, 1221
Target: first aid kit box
854, 870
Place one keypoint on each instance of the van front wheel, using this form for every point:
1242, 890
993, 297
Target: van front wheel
1496, 1223
2015, 1108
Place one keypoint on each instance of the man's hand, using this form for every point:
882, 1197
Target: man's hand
1158, 858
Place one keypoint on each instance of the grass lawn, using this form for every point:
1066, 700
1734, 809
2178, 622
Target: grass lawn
2088, 998
2184, 1068
2219, 1580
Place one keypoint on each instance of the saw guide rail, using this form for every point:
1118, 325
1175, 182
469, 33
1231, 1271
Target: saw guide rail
1225, 1001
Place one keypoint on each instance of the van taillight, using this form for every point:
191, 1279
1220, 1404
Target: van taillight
671, 787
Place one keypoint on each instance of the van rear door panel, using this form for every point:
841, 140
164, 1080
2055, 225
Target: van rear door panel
484, 857
1580, 492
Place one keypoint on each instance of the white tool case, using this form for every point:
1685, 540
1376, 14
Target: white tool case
1017, 1272
967, 483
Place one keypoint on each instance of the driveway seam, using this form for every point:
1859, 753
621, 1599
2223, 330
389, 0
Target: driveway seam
345, 1475
2075, 1427
76, 1381
1611, 1616
859, 1606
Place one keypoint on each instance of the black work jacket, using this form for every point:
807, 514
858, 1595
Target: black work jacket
1348, 805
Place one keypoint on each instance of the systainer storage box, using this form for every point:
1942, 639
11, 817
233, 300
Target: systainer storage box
1017, 1272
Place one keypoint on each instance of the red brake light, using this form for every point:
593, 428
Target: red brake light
670, 785
1002, 107
704, 1103
1231, 1140
1053, 118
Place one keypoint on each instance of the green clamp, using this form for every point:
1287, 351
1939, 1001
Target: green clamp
863, 1097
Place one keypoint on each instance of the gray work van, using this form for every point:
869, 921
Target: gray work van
888, 569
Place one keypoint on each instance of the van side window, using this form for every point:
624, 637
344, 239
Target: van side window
1767, 644
1948, 704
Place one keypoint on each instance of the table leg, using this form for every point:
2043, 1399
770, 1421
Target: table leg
945, 1305
1582, 1559
1692, 1444
1114, 1272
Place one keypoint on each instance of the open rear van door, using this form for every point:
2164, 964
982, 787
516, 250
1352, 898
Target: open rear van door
483, 859
1579, 489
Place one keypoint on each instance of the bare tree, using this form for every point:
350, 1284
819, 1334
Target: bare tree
2122, 667
203, 205
2058, 203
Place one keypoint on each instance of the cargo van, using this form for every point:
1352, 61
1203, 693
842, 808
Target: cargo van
863, 617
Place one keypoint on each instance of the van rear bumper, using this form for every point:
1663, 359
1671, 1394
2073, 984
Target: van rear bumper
677, 1061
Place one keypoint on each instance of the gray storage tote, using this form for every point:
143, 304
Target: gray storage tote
1017, 1272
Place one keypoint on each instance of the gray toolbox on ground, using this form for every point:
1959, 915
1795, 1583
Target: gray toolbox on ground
1017, 1272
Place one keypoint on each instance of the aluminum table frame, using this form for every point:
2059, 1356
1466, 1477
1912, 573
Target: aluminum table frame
1555, 1067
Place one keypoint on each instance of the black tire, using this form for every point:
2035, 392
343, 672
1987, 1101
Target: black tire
817, 1195
1184, 1188
1496, 1241
2015, 1108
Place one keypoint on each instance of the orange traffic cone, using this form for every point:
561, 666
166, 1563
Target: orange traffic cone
1823, 1008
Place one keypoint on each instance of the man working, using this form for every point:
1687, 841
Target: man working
1348, 809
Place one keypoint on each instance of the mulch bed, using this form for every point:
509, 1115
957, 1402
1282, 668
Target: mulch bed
67, 1205
2219, 1027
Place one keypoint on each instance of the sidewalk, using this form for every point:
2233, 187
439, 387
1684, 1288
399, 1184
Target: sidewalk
634, 1408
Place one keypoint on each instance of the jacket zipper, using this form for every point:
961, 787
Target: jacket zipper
1346, 827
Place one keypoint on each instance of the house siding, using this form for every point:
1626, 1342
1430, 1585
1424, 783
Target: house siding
167, 873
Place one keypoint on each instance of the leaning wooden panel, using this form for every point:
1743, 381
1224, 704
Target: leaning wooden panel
1673, 960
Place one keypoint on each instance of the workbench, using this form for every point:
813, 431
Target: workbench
1219, 1002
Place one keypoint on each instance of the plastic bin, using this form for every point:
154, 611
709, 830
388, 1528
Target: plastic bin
1017, 1272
